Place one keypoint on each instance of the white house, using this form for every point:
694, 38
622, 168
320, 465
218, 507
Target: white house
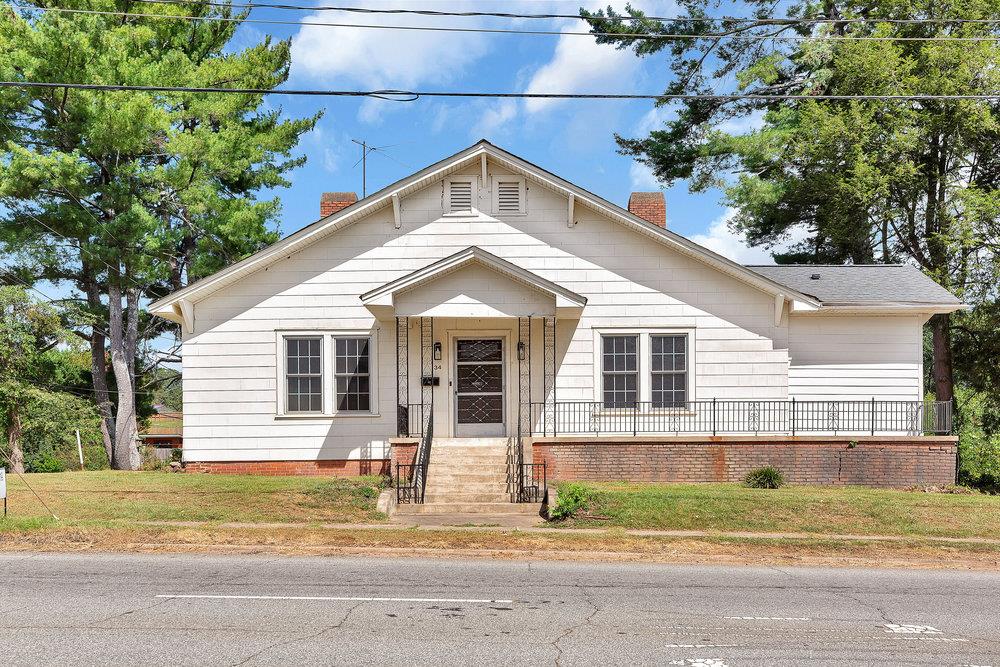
484, 297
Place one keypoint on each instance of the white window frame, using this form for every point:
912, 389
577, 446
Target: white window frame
328, 355
645, 361
473, 182
283, 383
522, 194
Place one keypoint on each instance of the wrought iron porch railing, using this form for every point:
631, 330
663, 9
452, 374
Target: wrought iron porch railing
714, 417
526, 482
411, 478
409, 420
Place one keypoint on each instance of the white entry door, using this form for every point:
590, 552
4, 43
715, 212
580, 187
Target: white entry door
479, 387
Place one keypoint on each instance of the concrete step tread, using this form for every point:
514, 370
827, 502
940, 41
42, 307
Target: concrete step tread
463, 508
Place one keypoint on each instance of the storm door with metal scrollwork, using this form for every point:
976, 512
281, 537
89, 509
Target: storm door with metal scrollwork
479, 387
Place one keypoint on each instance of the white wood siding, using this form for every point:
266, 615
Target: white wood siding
856, 358
230, 369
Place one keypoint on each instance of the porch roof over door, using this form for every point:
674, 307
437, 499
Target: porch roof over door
473, 283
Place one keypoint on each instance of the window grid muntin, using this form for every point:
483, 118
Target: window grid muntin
352, 373
304, 374
620, 370
668, 370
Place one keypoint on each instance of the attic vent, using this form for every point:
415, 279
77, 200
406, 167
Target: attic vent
459, 196
508, 195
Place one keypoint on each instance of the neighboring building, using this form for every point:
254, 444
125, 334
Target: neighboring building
484, 297
164, 430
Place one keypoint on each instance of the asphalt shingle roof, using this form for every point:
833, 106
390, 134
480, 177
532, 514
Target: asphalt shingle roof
859, 284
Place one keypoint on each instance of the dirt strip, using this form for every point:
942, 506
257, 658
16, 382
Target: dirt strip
506, 544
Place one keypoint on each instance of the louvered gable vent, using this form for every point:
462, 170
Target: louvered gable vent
460, 196
508, 197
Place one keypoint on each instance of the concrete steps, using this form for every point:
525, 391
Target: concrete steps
468, 476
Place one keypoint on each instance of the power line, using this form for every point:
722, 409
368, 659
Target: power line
512, 31
512, 15
412, 95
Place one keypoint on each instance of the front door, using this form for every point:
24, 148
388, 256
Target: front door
479, 387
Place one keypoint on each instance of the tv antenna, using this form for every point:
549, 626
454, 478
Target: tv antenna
366, 150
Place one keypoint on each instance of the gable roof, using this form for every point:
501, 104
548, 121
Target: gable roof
900, 285
172, 305
473, 255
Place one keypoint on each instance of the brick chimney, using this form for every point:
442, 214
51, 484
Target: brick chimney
650, 206
331, 202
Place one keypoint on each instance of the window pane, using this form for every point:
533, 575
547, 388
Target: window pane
304, 374
351, 367
620, 363
668, 383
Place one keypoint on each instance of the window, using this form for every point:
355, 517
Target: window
668, 369
304, 374
460, 195
620, 370
508, 195
352, 374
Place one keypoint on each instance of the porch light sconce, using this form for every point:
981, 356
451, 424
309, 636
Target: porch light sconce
520, 350
437, 351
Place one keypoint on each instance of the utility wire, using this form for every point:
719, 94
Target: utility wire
512, 31
511, 15
411, 95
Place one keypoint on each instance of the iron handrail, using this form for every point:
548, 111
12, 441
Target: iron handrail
864, 417
411, 478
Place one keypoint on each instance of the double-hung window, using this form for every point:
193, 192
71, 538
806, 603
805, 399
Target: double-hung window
352, 372
649, 369
326, 374
304, 374
620, 370
668, 370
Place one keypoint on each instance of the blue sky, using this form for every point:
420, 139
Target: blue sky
574, 139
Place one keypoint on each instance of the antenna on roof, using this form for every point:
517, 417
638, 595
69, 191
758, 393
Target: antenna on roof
367, 149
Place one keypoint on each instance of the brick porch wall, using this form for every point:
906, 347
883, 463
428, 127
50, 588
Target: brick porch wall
331, 468
873, 461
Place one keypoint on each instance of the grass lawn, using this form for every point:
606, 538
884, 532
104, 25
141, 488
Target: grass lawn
809, 509
162, 496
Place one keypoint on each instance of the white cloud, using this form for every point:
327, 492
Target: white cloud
722, 240
374, 58
493, 118
581, 65
642, 178
745, 124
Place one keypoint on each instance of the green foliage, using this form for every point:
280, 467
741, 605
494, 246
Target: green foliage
978, 428
44, 461
167, 389
176, 455
767, 477
572, 497
50, 420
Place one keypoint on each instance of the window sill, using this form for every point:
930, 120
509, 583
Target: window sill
329, 417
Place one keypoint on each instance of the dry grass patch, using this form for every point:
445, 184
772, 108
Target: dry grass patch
161, 496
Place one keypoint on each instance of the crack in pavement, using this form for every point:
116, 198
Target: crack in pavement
295, 640
573, 628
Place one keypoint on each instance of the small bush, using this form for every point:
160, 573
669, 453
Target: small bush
767, 477
572, 498
44, 462
176, 454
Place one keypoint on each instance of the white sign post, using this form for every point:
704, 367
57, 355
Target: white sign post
3, 489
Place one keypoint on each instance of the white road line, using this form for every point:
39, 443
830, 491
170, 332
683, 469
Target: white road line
332, 599
907, 629
767, 618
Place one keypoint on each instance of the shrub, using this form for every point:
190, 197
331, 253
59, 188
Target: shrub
176, 454
43, 462
572, 498
767, 477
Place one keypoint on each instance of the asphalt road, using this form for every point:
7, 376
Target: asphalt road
236, 610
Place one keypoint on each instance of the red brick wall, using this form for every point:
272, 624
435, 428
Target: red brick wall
331, 202
332, 468
887, 462
650, 206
